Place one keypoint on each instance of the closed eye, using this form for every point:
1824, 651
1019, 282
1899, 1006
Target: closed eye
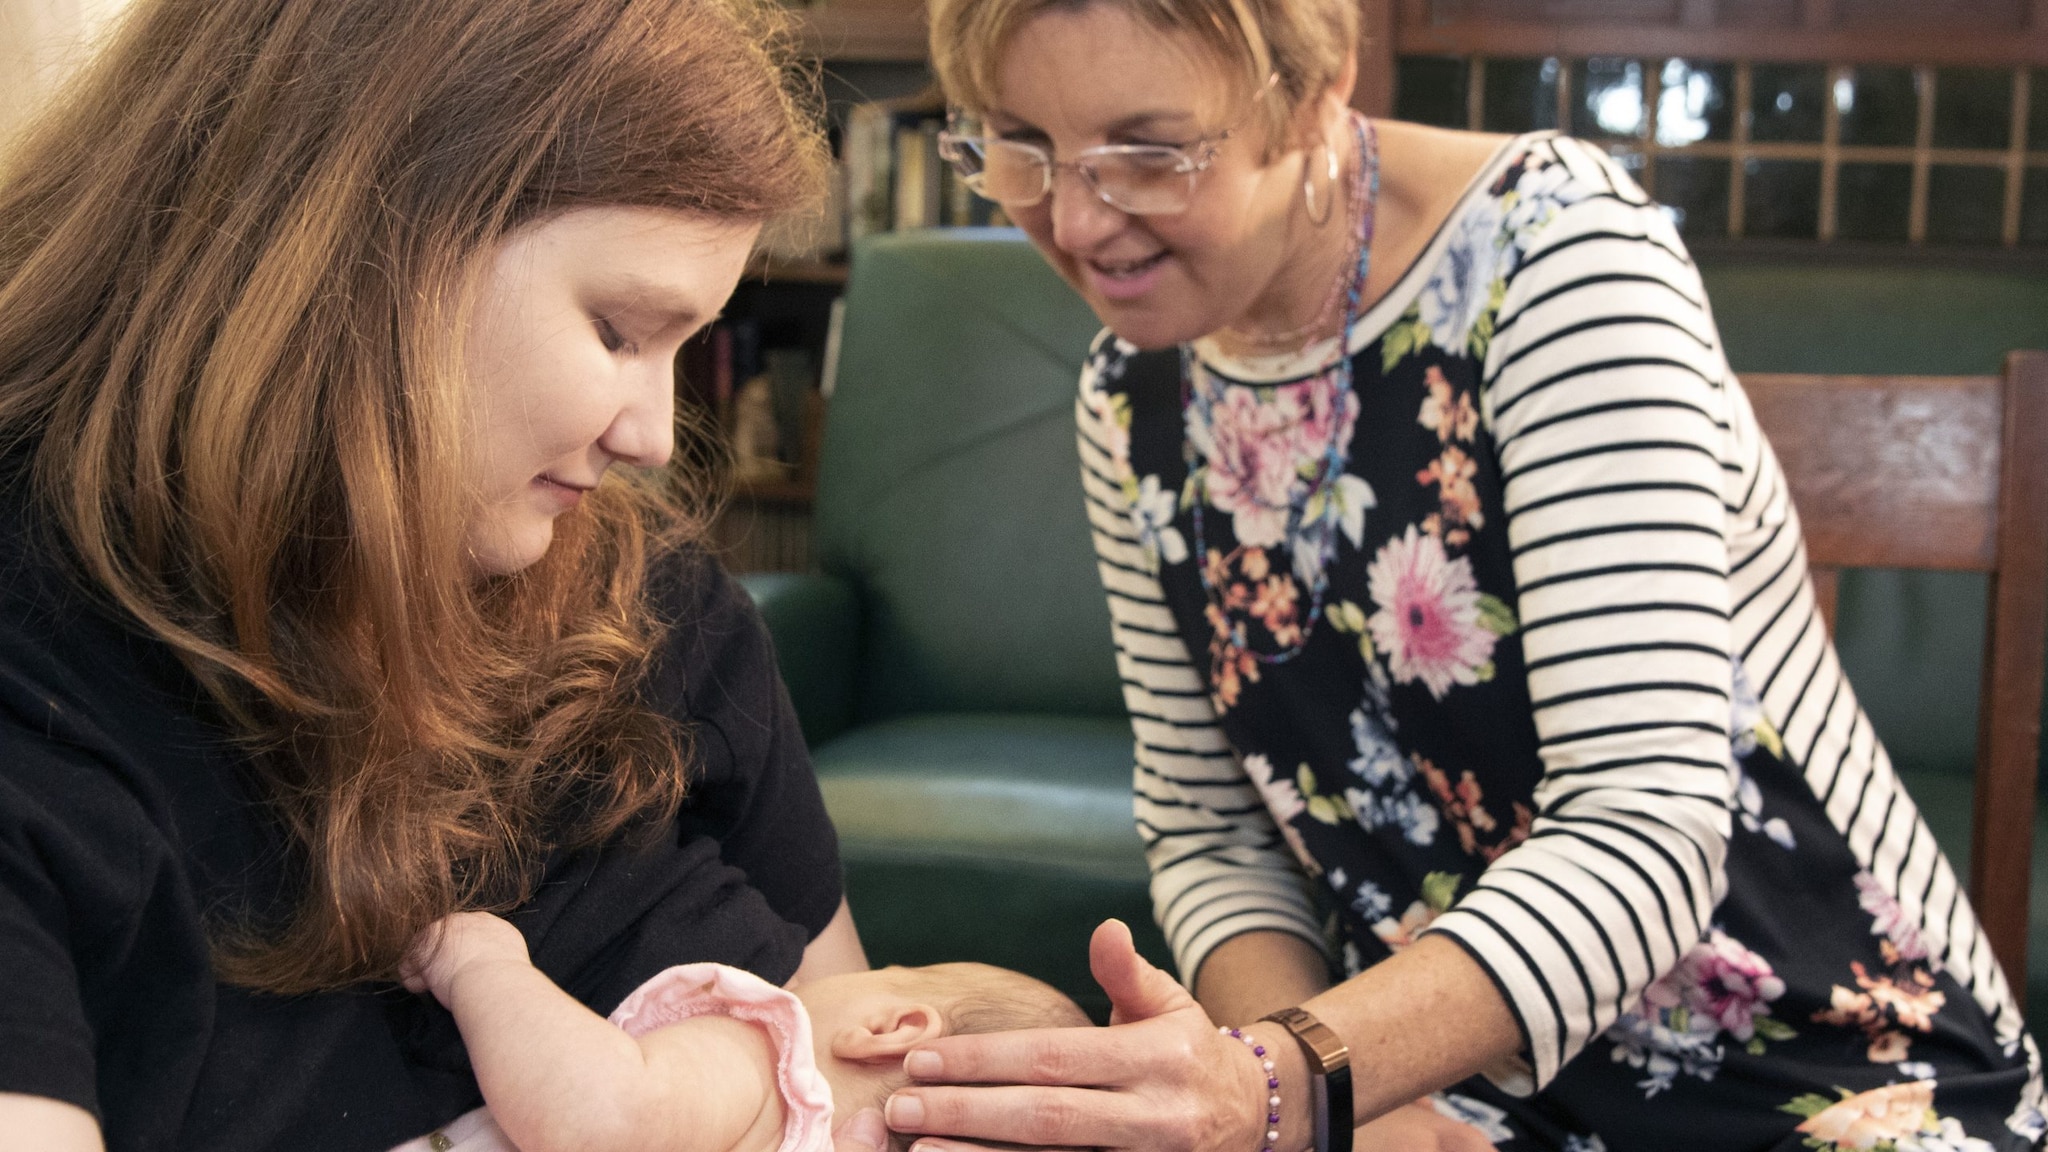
609, 336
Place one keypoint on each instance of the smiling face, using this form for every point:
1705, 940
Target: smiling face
1071, 79
572, 351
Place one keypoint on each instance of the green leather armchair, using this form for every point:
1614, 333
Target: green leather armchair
951, 659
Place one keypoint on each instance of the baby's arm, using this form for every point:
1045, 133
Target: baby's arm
559, 1078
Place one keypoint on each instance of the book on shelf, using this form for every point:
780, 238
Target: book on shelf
894, 176
760, 401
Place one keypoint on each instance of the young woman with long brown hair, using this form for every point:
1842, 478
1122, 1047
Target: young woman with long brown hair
324, 613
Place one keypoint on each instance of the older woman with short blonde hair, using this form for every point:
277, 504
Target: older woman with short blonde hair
1489, 748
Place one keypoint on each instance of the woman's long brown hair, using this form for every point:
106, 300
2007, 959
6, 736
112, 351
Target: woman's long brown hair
236, 258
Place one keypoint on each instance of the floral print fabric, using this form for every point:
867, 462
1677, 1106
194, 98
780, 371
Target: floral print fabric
1336, 561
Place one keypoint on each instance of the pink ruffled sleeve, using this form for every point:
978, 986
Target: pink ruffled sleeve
675, 995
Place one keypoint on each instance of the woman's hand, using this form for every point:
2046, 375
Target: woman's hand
1159, 1079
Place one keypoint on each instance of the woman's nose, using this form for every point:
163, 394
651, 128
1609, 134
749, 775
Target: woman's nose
643, 434
1080, 218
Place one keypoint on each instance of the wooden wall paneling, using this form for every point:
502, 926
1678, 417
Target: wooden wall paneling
1374, 95
867, 31
1905, 44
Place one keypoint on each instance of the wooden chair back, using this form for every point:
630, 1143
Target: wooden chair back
1942, 472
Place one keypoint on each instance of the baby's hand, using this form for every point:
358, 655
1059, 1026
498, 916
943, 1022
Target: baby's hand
451, 944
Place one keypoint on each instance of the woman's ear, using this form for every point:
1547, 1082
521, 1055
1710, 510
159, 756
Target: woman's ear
1320, 114
889, 1034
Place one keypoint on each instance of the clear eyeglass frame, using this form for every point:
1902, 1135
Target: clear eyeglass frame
1141, 179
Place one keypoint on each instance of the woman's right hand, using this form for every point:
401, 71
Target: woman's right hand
1159, 1079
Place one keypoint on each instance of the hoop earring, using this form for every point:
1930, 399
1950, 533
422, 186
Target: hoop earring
1308, 192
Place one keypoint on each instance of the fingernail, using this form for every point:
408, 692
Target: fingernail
905, 1112
924, 1064
868, 1128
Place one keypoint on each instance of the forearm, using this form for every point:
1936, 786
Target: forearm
836, 951
1421, 1020
560, 1078
1250, 975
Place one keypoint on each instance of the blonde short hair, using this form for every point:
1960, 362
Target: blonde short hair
1304, 43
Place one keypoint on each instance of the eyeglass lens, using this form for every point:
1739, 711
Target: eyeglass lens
1139, 179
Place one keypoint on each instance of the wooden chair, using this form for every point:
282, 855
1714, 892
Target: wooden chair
1942, 472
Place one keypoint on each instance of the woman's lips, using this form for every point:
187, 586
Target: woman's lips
1124, 280
568, 495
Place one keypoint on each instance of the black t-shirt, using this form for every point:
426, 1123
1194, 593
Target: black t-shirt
125, 822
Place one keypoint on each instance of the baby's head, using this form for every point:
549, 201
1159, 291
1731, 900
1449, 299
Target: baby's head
864, 1023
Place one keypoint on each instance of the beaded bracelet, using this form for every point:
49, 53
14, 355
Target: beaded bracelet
1272, 1085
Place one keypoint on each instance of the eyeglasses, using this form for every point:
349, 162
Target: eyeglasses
1141, 179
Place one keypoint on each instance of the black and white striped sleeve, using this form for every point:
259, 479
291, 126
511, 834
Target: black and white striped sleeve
1604, 393
1219, 867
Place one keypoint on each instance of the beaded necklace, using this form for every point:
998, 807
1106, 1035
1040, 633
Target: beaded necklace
1365, 197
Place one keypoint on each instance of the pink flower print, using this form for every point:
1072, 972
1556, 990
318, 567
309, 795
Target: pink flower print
1868, 1119
1326, 415
1722, 981
1729, 983
1427, 621
1446, 411
1888, 919
1253, 465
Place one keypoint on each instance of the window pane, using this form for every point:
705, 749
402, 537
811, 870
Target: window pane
1965, 205
1431, 90
1783, 199
1695, 191
1879, 106
1521, 95
2037, 118
1610, 99
2034, 207
1873, 201
1694, 102
1784, 101
1972, 108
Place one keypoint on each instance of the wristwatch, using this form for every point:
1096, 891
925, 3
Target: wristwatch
1329, 1066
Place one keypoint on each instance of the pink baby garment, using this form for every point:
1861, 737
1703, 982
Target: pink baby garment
678, 994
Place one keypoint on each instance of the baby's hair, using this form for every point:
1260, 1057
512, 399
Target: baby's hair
989, 999
979, 998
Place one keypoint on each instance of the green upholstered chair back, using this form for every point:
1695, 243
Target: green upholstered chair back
1856, 317
949, 489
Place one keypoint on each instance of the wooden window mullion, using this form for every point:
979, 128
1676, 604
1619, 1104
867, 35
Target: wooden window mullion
1923, 157
1830, 151
1738, 164
2016, 155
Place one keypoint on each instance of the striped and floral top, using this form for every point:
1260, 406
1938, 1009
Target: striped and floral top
1505, 633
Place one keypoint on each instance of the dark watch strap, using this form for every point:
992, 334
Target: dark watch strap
1329, 1066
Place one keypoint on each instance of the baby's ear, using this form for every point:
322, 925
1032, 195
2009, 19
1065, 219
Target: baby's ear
889, 1034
